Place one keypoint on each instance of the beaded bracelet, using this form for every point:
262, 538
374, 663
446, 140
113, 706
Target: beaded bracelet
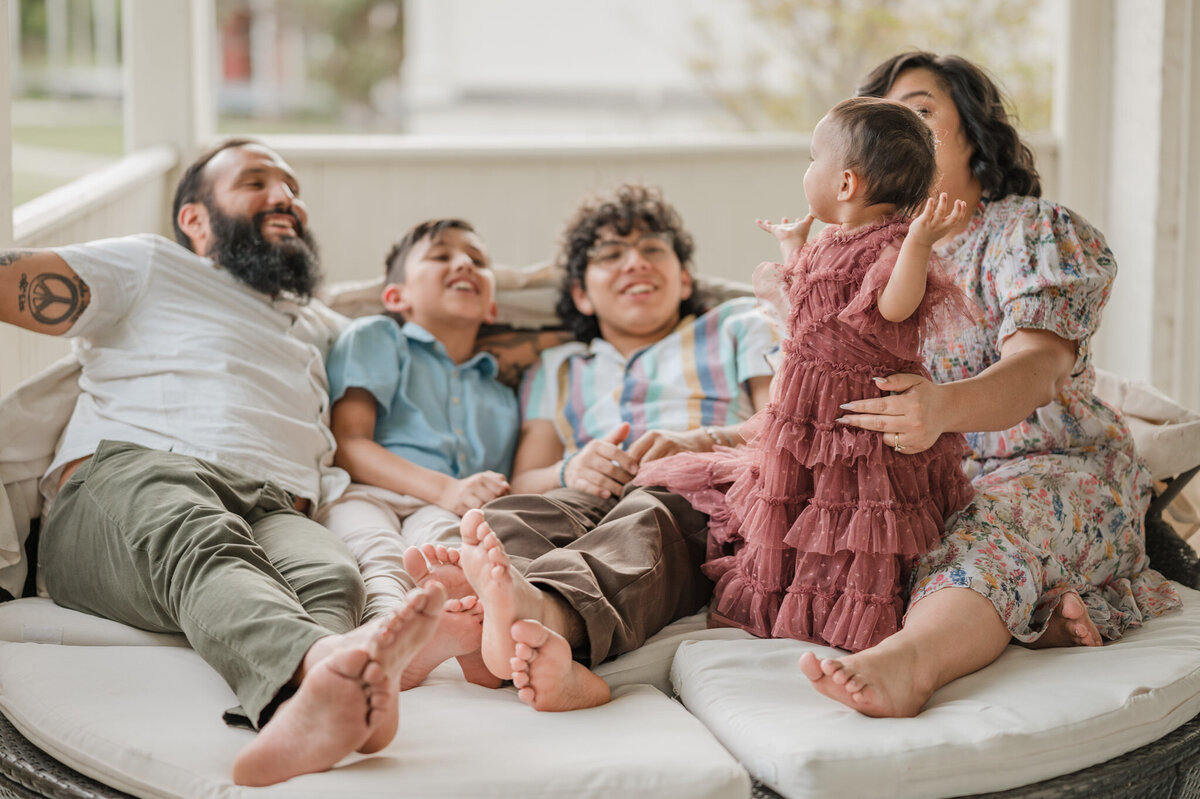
717, 437
562, 470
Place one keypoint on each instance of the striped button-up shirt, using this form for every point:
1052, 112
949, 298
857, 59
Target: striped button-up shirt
695, 376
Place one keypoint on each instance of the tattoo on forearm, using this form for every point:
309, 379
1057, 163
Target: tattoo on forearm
51, 298
12, 256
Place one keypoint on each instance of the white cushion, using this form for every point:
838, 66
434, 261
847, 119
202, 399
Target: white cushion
1029, 716
147, 720
40, 621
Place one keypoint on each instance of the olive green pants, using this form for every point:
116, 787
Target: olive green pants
170, 543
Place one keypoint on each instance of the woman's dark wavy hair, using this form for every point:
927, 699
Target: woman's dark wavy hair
1002, 163
629, 206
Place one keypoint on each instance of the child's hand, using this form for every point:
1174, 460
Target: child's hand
462, 495
937, 219
792, 235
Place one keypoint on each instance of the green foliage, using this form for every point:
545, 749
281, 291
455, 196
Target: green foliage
809, 54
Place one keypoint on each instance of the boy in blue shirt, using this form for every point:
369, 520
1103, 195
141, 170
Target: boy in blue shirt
422, 423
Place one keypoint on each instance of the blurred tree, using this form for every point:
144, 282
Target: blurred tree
809, 54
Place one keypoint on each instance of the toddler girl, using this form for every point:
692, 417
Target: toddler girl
814, 525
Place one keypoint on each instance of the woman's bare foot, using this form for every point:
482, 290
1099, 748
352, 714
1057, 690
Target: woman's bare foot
346, 700
440, 563
505, 594
546, 676
875, 682
459, 635
1069, 625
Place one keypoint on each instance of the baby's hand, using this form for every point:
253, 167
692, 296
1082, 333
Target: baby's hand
791, 235
937, 219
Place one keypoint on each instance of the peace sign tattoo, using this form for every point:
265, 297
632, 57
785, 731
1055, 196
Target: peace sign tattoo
52, 298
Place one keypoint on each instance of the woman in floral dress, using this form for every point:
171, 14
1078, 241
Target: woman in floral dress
1051, 551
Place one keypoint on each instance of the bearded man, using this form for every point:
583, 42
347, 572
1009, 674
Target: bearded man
178, 497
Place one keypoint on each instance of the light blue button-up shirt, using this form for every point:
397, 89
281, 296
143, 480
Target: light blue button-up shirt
456, 419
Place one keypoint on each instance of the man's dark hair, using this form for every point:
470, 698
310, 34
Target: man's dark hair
432, 229
631, 206
195, 187
890, 148
1001, 162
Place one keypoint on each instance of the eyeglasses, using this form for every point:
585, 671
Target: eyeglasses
655, 248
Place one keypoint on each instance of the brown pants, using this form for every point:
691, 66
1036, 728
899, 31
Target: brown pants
628, 567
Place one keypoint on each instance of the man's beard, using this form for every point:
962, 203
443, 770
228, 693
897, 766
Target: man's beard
239, 247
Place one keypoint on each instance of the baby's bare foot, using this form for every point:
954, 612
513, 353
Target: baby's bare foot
546, 676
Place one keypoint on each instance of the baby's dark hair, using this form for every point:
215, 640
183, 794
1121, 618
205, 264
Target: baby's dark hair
393, 265
629, 206
890, 148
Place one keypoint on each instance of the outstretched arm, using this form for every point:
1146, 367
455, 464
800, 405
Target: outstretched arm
791, 235
906, 286
353, 423
39, 292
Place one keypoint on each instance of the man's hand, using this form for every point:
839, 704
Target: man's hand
462, 495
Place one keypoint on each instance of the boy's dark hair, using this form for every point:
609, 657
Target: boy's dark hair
890, 148
630, 206
393, 264
1001, 162
194, 187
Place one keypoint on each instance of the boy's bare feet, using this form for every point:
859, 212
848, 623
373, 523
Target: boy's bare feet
347, 699
879, 682
441, 563
1069, 625
460, 634
545, 674
505, 594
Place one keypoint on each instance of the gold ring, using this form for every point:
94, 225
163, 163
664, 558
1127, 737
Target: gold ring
897, 446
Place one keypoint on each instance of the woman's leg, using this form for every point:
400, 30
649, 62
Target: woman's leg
946, 635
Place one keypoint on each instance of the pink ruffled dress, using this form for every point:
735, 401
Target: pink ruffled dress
815, 525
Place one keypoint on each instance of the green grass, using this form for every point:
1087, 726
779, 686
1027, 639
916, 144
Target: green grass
98, 139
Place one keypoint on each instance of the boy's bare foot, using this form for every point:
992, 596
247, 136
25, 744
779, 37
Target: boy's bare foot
1069, 625
347, 699
440, 563
459, 635
545, 674
505, 594
875, 682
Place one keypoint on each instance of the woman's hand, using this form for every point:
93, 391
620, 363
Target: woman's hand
601, 468
910, 418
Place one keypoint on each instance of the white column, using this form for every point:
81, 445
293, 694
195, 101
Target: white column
57, 31
6, 195
1184, 363
105, 35
1082, 105
167, 65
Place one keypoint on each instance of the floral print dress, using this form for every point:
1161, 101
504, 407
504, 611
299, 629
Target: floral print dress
1061, 497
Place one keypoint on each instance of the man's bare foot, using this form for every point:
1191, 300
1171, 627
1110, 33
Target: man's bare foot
347, 700
505, 594
1069, 625
875, 682
440, 563
545, 674
459, 635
